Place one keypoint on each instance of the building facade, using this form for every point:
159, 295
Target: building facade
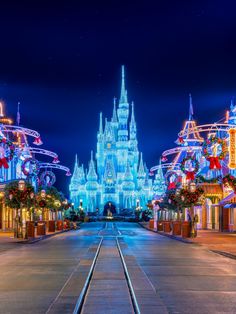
117, 173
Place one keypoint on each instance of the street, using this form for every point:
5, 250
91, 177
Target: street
167, 276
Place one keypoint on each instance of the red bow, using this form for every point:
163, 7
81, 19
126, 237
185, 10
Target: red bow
214, 163
4, 163
172, 185
190, 175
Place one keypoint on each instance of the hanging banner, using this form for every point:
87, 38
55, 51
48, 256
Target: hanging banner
232, 148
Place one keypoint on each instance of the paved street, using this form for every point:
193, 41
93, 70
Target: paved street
167, 276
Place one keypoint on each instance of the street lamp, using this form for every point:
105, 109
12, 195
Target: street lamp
43, 195
192, 189
21, 187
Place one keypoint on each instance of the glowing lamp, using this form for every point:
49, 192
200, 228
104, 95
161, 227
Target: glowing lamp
232, 148
21, 185
43, 193
192, 187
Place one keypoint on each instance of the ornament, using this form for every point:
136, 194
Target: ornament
37, 141
68, 174
42, 203
164, 159
180, 141
56, 160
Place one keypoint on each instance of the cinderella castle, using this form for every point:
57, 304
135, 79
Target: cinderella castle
118, 175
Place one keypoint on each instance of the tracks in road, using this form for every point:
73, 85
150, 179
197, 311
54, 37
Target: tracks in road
108, 283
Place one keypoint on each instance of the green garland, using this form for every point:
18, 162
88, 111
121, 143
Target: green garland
230, 180
201, 179
14, 198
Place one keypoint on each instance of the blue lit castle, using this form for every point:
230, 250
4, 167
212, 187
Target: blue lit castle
119, 175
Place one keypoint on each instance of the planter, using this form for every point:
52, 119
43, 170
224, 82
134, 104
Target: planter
41, 228
185, 229
51, 226
176, 227
30, 229
159, 226
59, 225
151, 223
166, 226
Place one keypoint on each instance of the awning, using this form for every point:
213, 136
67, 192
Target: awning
212, 189
227, 198
231, 205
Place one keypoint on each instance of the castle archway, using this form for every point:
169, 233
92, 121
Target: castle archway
109, 207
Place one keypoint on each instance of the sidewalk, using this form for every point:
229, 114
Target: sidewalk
222, 242
8, 237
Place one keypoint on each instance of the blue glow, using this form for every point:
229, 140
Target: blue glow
119, 174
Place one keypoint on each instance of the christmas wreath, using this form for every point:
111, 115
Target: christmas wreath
32, 165
190, 174
7, 150
47, 178
230, 180
213, 157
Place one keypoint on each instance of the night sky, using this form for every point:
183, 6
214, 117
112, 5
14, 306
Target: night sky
62, 62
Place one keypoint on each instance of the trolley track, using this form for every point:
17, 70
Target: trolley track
109, 243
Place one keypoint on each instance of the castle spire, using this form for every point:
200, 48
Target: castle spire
75, 176
141, 170
18, 114
100, 124
123, 93
132, 114
190, 108
92, 176
114, 114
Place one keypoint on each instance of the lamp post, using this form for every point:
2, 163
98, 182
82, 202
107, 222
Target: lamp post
43, 195
22, 231
16, 226
192, 189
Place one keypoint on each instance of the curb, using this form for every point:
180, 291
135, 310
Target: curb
168, 235
33, 240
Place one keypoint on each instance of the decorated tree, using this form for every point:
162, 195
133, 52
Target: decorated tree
15, 198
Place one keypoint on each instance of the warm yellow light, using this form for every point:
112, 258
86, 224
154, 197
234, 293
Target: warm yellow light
232, 147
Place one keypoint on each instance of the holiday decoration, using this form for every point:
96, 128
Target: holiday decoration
38, 141
30, 166
7, 150
187, 198
171, 180
56, 160
214, 149
180, 141
15, 198
42, 203
230, 181
201, 179
164, 159
190, 167
232, 148
47, 178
